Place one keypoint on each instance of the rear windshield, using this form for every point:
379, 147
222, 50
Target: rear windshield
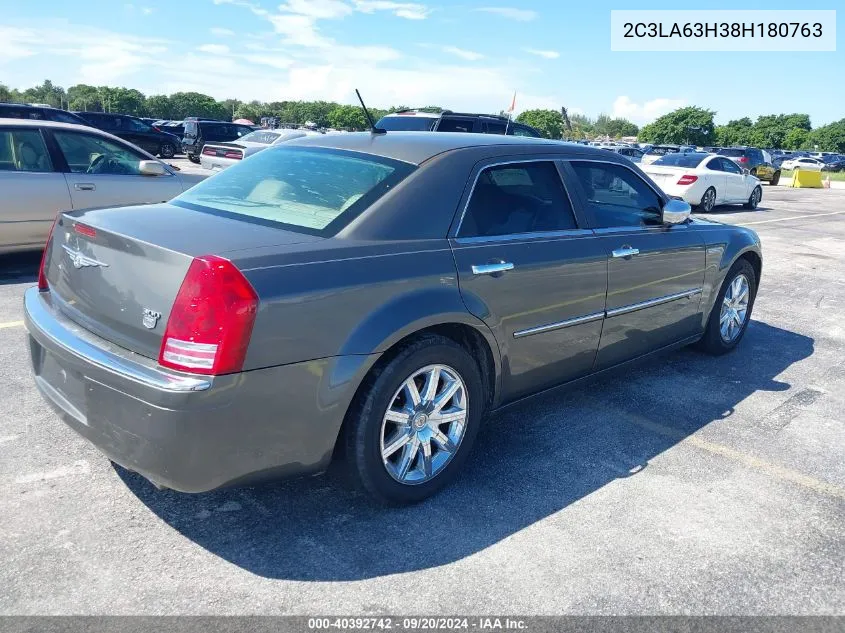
680, 160
261, 136
406, 123
732, 152
309, 190
662, 151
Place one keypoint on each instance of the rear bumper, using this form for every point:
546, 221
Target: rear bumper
189, 433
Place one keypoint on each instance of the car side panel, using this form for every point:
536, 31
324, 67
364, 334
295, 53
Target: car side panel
30, 203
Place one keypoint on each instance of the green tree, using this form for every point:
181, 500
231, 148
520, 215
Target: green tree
691, 125
253, 111
159, 107
185, 104
548, 122
348, 117
8, 95
46, 93
797, 138
736, 132
84, 98
830, 137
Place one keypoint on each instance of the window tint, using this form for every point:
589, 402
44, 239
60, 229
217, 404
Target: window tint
519, 130
23, 150
730, 166
617, 196
494, 127
732, 151
88, 154
20, 113
680, 160
455, 125
517, 198
406, 123
64, 117
134, 125
716, 164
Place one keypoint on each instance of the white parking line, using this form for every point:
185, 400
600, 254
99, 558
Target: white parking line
11, 324
794, 217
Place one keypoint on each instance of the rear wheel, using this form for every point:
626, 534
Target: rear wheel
776, 178
414, 421
708, 200
194, 159
754, 198
732, 310
167, 150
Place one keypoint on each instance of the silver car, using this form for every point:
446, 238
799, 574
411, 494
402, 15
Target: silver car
220, 155
48, 167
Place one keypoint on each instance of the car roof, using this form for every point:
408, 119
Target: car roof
417, 147
57, 125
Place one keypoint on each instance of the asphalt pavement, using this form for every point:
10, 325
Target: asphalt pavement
691, 485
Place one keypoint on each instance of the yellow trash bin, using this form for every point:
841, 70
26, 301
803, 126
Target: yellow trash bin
807, 178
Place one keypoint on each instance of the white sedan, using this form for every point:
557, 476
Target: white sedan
219, 156
705, 180
804, 162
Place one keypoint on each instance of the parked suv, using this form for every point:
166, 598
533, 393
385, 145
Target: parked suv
198, 132
448, 121
134, 130
756, 161
39, 113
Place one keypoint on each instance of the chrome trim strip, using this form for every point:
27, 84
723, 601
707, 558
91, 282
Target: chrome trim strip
588, 318
515, 237
653, 302
554, 162
41, 323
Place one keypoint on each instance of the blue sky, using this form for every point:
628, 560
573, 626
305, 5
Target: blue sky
468, 55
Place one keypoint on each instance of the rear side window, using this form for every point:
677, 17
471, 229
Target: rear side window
23, 150
20, 113
521, 130
455, 125
732, 152
406, 123
316, 191
517, 198
64, 117
494, 127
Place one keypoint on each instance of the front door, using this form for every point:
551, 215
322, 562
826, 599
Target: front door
655, 272
530, 270
735, 181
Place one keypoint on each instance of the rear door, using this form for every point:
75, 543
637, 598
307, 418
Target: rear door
529, 269
655, 272
33, 192
101, 172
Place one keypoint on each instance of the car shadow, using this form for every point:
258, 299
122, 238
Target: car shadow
530, 461
19, 268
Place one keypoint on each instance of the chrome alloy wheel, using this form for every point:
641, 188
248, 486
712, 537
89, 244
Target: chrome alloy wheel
734, 308
709, 200
424, 424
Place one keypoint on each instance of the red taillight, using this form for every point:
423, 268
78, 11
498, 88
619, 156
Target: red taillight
157, 129
42, 272
211, 321
235, 155
743, 159
87, 231
209, 152
687, 179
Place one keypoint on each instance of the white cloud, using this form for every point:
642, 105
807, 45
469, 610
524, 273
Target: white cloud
542, 53
221, 32
215, 49
407, 10
520, 15
624, 107
463, 54
317, 9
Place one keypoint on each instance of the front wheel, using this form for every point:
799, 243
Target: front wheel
167, 150
708, 200
775, 179
754, 198
731, 311
414, 421
194, 159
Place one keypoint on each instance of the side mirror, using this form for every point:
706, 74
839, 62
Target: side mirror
151, 168
676, 211
745, 171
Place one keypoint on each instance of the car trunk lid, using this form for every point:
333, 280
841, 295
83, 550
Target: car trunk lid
116, 272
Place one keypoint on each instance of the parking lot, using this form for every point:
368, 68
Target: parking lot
692, 485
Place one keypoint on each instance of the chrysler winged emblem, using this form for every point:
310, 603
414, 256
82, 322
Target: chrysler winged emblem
81, 261
150, 318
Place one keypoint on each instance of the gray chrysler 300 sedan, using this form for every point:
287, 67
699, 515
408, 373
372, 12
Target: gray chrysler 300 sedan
376, 292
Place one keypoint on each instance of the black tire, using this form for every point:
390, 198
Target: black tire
775, 178
753, 172
166, 150
754, 198
365, 416
712, 341
194, 159
708, 201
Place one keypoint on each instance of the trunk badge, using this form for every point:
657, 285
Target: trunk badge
150, 319
81, 261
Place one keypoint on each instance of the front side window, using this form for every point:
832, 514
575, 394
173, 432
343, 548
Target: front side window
517, 198
316, 191
455, 125
617, 196
89, 154
23, 150
730, 166
495, 128
134, 125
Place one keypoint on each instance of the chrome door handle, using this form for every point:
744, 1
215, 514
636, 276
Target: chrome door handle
492, 269
84, 186
626, 251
